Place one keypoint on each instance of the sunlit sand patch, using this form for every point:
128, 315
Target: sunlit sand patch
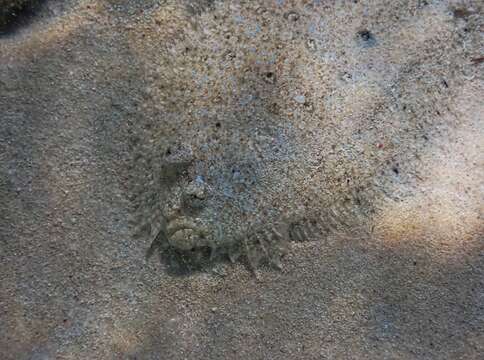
446, 215
438, 221
164, 25
419, 30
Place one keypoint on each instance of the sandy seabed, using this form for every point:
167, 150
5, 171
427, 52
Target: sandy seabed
387, 91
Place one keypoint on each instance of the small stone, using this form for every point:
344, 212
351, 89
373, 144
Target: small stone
301, 99
292, 16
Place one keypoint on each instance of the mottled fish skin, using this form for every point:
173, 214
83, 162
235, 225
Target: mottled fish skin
270, 138
267, 243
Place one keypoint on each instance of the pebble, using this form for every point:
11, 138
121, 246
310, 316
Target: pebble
301, 99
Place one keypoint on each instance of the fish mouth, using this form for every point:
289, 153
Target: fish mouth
186, 234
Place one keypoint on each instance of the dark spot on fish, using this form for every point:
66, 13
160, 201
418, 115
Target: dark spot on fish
365, 35
366, 38
270, 77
